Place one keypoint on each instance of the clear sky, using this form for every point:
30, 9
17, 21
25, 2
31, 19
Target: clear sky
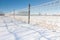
8, 5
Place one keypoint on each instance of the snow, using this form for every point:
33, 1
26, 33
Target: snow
11, 29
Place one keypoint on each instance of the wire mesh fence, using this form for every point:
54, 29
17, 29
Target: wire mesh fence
41, 14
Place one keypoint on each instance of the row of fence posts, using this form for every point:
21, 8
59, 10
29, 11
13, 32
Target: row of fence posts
28, 14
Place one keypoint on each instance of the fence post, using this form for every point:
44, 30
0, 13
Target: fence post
14, 13
29, 14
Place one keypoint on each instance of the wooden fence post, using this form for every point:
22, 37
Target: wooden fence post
29, 14
14, 13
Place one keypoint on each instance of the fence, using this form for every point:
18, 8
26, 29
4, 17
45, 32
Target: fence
41, 14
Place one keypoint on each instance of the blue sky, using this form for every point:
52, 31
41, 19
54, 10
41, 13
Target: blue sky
9, 5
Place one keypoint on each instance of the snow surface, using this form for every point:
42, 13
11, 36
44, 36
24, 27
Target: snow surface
11, 29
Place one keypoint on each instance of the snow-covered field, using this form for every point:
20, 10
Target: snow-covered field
11, 29
50, 22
